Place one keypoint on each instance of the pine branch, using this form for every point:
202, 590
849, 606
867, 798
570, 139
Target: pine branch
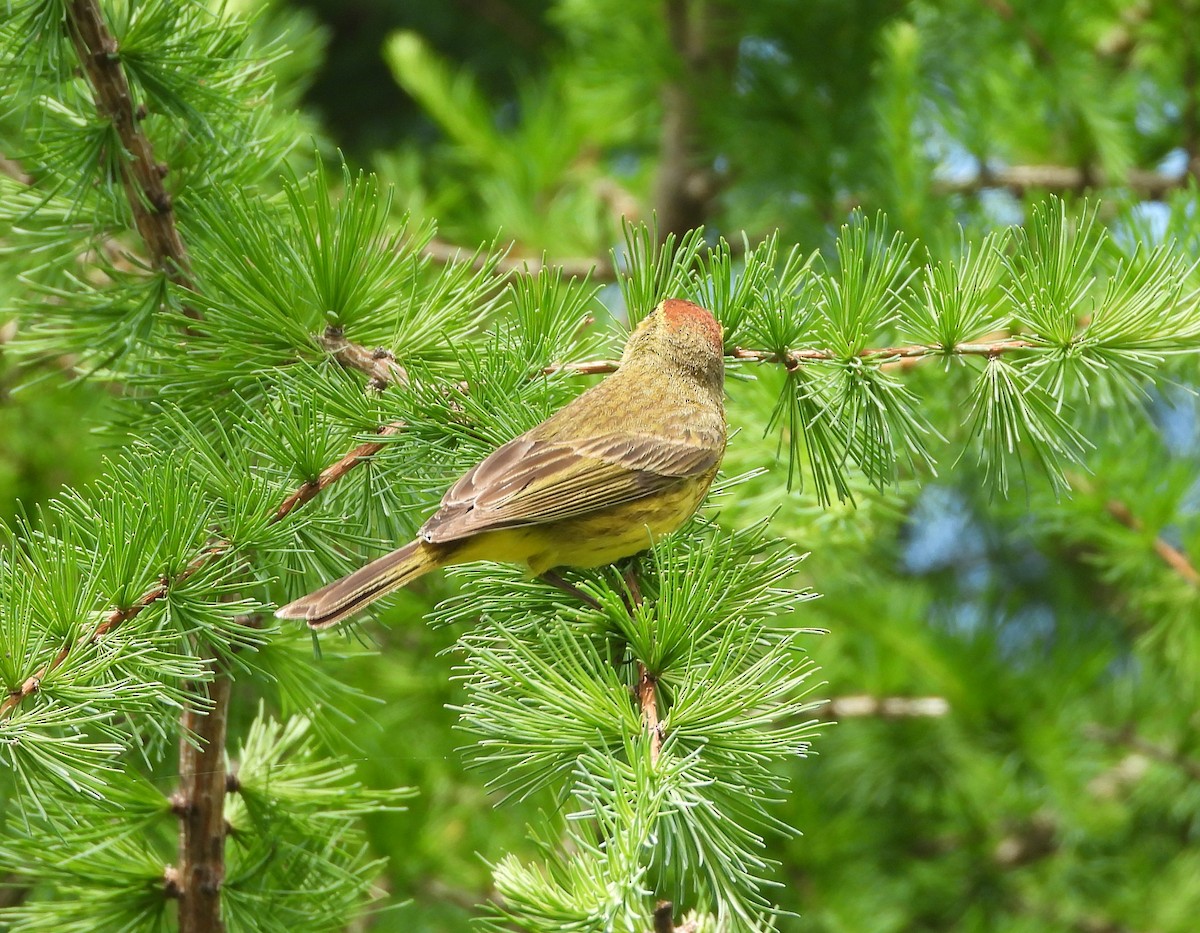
380, 364
141, 176
648, 701
862, 706
1128, 738
111, 621
1167, 552
335, 471
1170, 555
200, 804
1145, 184
596, 270
298, 497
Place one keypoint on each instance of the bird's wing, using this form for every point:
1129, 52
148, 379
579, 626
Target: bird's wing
529, 481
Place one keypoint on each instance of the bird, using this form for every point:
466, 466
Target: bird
626, 462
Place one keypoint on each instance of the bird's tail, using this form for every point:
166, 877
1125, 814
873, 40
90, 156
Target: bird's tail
334, 601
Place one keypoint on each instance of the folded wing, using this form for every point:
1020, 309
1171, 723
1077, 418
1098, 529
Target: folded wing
529, 482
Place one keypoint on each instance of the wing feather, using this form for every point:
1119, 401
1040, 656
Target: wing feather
529, 481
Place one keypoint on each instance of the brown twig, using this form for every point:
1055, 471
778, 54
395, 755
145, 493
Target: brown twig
201, 765
200, 803
1035, 840
13, 169
584, 368
1168, 553
1128, 738
335, 471
862, 706
648, 701
1063, 179
598, 269
380, 364
141, 176
794, 358
110, 621
647, 682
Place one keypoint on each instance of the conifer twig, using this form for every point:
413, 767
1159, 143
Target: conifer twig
380, 364
664, 917
862, 706
200, 805
597, 269
110, 621
1168, 553
647, 682
793, 358
1130, 739
648, 701
335, 471
1019, 180
141, 176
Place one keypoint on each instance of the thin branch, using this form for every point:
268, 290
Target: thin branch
141, 176
1129, 739
664, 917
648, 701
647, 682
794, 358
584, 368
1167, 552
335, 471
200, 803
597, 269
862, 706
12, 169
1035, 840
380, 364
110, 621
1063, 179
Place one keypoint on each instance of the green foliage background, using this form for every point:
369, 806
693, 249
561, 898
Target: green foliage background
1057, 788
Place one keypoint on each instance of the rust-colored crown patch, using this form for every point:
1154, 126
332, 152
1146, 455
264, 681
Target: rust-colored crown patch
679, 314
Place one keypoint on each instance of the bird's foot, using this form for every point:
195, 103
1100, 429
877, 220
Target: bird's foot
556, 580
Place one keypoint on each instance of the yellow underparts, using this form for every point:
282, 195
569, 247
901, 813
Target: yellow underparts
590, 540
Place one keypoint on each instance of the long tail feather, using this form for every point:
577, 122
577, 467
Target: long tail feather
337, 600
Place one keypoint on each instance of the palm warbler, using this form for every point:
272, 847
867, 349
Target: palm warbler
626, 462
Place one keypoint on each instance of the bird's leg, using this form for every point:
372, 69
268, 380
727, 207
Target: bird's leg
629, 573
557, 581
647, 681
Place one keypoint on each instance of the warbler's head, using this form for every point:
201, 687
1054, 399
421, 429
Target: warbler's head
683, 335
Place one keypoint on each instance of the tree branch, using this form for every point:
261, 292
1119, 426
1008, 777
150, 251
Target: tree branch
200, 804
648, 701
1063, 179
380, 364
141, 176
335, 471
597, 269
1128, 738
1168, 553
862, 706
